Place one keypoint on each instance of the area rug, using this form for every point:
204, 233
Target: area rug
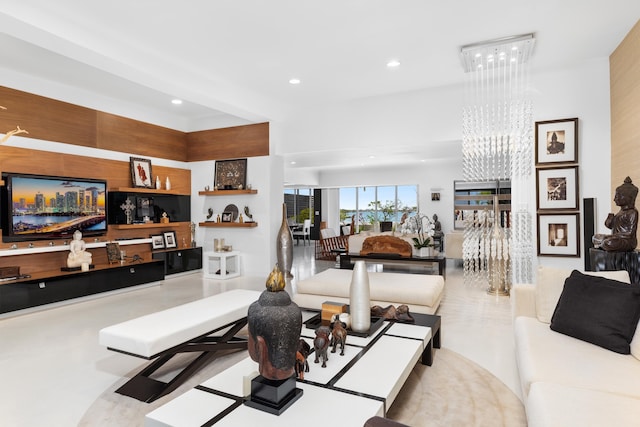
454, 391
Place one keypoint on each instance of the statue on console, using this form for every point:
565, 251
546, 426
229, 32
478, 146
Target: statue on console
78, 254
623, 224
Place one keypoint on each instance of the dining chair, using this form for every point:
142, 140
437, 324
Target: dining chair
305, 233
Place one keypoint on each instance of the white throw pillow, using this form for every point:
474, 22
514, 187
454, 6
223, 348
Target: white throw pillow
549, 285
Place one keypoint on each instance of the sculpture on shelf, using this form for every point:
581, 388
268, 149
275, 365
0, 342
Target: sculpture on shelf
400, 314
437, 227
321, 344
77, 252
274, 324
623, 224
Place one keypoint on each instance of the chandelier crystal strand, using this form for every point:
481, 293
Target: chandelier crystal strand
498, 145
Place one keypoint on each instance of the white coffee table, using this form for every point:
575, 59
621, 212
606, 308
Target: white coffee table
366, 380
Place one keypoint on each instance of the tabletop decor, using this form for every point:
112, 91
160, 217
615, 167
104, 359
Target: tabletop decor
274, 324
284, 245
359, 298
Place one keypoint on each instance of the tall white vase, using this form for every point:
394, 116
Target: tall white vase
359, 298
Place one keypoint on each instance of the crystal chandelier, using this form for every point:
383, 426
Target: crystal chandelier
497, 144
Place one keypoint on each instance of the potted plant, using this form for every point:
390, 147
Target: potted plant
423, 227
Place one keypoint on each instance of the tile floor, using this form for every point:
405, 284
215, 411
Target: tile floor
52, 367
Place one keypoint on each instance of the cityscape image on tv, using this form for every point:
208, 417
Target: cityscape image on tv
58, 206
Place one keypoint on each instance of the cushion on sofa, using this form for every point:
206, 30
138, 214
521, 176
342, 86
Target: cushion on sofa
550, 282
601, 311
634, 347
557, 405
545, 355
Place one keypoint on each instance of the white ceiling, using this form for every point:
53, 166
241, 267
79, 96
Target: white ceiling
231, 60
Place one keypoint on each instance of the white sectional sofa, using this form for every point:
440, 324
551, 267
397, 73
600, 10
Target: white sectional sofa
568, 381
421, 292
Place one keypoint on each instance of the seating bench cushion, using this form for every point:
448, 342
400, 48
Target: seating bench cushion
547, 356
149, 335
421, 292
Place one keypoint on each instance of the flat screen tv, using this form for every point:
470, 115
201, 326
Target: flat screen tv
36, 207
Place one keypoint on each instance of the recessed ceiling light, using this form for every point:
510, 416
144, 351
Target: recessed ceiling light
372, 156
294, 81
293, 163
176, 101
393, 63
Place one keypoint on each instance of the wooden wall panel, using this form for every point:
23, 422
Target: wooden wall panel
624, 65
228, 143
131, 136
117, 174
46, 118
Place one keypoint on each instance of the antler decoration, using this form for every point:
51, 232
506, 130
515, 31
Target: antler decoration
9, 134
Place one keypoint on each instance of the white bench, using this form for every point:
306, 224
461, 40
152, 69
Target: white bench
421, 292
185, 328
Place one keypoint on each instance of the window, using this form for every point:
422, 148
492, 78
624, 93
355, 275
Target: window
367, 205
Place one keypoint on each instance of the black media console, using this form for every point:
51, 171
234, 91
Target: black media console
46, 289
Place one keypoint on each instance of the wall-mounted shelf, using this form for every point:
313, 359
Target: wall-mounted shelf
226, 192
147, 225
229, 224
146, 190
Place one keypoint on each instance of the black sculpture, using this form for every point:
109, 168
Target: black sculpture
623, 224
274, 323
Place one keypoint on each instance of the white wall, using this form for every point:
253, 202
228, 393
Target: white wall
257, 245
435, 116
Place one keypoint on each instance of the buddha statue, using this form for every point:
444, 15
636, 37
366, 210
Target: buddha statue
77, 251
623, 224
274, 324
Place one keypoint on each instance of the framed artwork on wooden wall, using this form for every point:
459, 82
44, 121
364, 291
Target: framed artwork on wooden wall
141, 175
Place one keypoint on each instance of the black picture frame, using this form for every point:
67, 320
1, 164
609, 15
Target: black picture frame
113, 252
144, 207
170, 239
557, 188
226, 217
157, 241
230, 174
556, 142
559, 234
141, 174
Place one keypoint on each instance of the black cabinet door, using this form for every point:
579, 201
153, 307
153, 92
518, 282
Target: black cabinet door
180, 260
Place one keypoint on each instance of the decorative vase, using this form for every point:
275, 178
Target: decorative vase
158, 186
359, 298
284, 245
167, 184
424, 252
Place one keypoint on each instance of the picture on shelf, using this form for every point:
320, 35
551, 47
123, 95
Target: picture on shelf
141, 175
157, 241
113, 252
231, 174
170, 239
227, 216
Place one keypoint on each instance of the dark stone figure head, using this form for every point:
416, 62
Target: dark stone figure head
626, 194
274, 323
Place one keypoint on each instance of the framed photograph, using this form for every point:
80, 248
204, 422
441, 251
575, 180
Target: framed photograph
113, 252
141, 175
557, 141
144, 207
157, 241
559, 235
227, 217
170, 239
435, 197
231, 174
557, 188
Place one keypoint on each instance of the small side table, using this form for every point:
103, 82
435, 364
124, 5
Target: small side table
221, 265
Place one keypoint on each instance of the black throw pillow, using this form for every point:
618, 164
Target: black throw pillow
600, 311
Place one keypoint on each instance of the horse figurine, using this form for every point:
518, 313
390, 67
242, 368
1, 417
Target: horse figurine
321, 344
302, 365
338, 336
